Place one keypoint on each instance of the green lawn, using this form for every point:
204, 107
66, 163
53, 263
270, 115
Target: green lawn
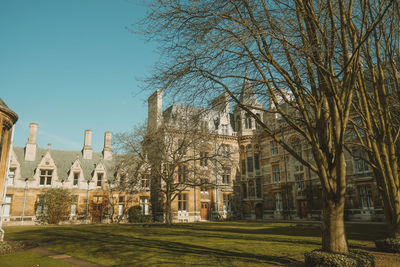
208, 244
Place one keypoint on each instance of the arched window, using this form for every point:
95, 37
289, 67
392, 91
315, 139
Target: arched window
248, 122
238, 123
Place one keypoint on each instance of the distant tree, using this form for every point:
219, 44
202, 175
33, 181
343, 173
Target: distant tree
130, 168
54, 205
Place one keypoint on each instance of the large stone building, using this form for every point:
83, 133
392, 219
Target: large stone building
265, 181
214, 163
7, 121
91, 177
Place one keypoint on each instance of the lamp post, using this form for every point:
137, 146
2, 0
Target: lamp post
87, 200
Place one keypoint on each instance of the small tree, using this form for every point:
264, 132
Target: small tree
54, 205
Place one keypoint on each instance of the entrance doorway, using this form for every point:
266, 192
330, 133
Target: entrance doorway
204, 210
259, 211
303, 208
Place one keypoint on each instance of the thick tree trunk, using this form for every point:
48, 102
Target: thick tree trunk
333, 199
168, 211
391, 201
392, 215
333, 232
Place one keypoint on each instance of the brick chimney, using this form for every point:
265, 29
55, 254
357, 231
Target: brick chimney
31, 145
87, 145
107, 151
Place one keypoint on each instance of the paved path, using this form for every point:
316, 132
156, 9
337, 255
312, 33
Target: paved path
41, 249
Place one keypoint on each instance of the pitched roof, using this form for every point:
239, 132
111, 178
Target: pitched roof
63, 160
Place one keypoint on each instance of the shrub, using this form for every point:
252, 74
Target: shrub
321, 258
7, 247
135, 215
54, 205
391, 245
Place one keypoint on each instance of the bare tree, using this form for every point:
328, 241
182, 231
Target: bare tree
376, 120
130, 169
182, 154
301, 58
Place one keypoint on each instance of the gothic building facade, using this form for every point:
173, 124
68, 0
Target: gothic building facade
265, 181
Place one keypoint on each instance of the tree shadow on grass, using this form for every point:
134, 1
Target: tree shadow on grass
361, 232
125, 249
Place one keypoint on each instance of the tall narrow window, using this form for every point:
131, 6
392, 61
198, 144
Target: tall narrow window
299, 177
361, 164
256, 161
278, 202
248, 122
227, 200
45, 177
204, 186
76, 179
144, 204
251, 189
276, 175
238, 123
121, 205
250, 164
99, 179
203, 159
258, 188
182, 172
274, 148
182, 202
144, 182
11, 176
243, 166
365, 195
226, 176
244, 190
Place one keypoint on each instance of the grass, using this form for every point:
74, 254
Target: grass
216, 244
29, 259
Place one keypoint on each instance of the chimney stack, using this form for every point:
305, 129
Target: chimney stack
87, 146
31, 145
154, 118
107, 151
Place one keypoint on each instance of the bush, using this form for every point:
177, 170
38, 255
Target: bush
391, 245
135, 215
10, 247
321, 258
54, 205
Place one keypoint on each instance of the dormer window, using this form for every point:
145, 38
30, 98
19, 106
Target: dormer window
99, 179
45, 177
76, 179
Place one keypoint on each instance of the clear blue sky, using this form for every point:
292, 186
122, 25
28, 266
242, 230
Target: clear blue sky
71, 65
